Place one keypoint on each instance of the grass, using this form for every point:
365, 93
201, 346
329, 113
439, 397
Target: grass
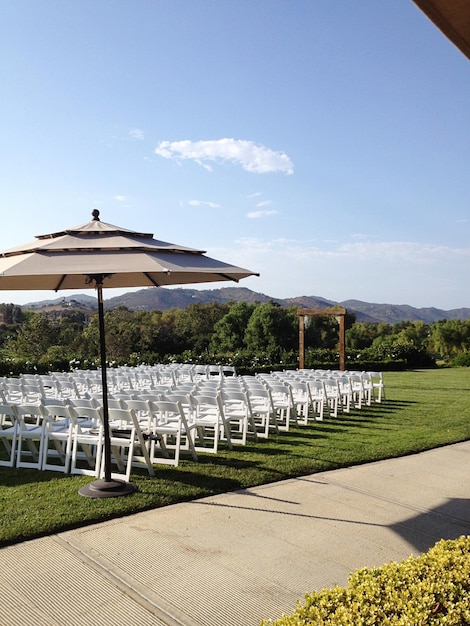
424, 409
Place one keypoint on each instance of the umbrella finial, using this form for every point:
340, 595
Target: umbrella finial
96, 215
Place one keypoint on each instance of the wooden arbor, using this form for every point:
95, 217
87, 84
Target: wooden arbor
340, 314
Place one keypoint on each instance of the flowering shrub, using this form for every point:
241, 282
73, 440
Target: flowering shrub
433, 588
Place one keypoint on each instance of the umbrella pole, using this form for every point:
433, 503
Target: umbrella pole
106, 487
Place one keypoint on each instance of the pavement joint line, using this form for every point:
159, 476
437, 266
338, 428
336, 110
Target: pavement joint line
127, 584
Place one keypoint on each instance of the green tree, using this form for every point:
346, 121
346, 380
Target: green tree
448, 338
272, 329
229, 331
361, 335
195, 324
35, 336
415, 334
11, 314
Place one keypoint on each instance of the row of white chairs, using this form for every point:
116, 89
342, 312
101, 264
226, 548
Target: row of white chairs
333, 390
68, 436
161, 424
80, 382
60, 427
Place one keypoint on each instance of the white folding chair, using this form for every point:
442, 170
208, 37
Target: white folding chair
172, 430
283, 404
30, 431
33, 392
211, 426
378, 386
300, 398
13, 390
316, 392
66, 388
187, 404
146, 421
128, 445
8, 434
238, 413
345, 393
357, 390
367, 386
58, 430
262, 409
87, 440
332, 398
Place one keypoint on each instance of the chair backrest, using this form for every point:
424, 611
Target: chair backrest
298, 386
377, 377
316, 388
235, 400
167, 410
184, 387
141, 408
8, 415
343, 382
208, 402
54, 401
82, 403
149, 396
234, 394
113, 403
54, 411
136, 404
67, 388
92, 415
35, 413
278, 387
177, 396
260, 398
32, 392
126, 417
13, 390
160, 388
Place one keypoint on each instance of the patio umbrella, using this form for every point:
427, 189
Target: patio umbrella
99, 255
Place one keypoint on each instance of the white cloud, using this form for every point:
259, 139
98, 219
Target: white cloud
252, 157
212, 205
264, 203
120, 198
258, 214
136, 133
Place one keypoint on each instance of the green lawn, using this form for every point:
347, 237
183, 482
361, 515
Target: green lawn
423, 409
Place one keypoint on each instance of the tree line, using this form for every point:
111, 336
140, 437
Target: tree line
247, 335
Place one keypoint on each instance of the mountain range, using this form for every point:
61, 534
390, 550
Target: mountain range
163, 299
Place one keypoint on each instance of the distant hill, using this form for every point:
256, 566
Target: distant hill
79, 301
159, 298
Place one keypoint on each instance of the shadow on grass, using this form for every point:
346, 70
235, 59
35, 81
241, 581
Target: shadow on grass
12, 477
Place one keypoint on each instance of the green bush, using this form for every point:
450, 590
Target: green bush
462, 360
433, 588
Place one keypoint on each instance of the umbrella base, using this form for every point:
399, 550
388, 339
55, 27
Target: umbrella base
107, 489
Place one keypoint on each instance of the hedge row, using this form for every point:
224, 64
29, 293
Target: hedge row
15, 367
433, 588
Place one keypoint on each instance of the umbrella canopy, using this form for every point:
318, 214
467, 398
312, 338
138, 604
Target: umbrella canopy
124, 258
96, 254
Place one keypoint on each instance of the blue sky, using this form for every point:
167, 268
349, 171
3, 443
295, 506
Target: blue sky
323, 144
